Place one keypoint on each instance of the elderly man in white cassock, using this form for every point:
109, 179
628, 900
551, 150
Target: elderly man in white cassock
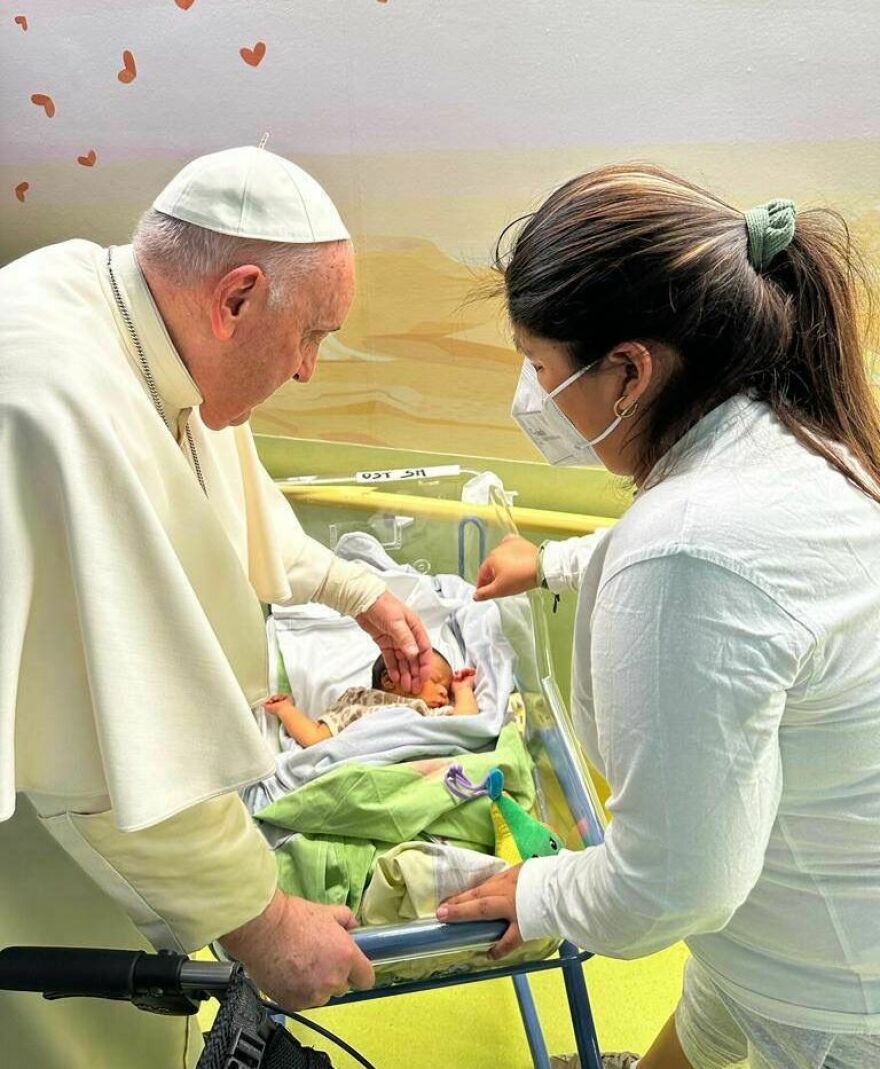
138, 535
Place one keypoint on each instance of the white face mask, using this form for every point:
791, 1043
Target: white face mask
547, 425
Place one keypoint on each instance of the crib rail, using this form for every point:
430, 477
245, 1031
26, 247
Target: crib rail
165, 980
372, 498
421, 939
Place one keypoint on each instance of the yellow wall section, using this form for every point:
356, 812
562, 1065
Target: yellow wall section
433, 126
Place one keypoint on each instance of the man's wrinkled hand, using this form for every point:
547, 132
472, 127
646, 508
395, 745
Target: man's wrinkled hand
300, 953
403, 640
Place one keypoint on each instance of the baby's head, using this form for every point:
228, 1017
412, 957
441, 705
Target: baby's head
436, 692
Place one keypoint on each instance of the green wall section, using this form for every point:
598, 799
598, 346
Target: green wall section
589, 491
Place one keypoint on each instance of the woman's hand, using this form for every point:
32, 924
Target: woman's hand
510, 568
493, 900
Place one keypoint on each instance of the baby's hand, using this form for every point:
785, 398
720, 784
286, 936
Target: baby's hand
276, 702
463, 679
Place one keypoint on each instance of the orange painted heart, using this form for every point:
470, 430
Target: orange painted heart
21, 20
184, 5
253, 56
129, 70
44, 102
21, 189
89, 159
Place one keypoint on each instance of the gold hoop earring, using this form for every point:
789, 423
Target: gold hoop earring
631, 411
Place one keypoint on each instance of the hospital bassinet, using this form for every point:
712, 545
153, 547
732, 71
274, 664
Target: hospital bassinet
419, 516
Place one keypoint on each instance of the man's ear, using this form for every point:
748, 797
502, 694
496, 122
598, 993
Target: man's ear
232, 297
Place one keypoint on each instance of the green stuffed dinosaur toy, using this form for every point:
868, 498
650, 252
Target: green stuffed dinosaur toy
518, 835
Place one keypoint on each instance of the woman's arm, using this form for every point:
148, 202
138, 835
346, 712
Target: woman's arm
514, 565
563, 563
690, 668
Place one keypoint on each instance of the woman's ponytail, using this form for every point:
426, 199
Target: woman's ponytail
821, 387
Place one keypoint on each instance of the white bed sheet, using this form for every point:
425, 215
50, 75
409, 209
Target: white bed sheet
324, 654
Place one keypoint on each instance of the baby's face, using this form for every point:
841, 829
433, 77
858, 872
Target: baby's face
438, 689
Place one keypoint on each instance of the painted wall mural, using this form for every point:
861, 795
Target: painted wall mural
432, 123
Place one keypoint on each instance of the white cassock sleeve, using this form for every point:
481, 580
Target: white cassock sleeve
691, 664
344, 585
285, 564
183, 882
133, 647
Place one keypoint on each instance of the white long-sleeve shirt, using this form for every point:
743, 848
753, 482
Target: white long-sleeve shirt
726, 682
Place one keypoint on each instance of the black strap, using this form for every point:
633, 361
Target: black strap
244, 1036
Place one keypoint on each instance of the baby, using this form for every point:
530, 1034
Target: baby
358, 702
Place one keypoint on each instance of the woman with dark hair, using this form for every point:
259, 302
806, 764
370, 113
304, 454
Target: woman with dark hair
726, 676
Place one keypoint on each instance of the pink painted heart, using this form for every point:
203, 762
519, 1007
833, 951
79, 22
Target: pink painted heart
21, 20
129, 70
21, 189
44, 102
89, 159
253, 56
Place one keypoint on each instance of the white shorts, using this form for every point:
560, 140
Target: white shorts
715, 1032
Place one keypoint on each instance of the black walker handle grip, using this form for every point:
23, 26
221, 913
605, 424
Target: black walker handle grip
150, 981
68, 970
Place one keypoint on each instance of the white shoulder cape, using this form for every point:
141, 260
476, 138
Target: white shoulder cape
131, 637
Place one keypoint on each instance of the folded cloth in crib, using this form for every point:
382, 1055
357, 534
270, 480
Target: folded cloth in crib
409, 883
411, 880
342, 821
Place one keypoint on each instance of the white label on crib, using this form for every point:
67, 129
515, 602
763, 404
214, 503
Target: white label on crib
398, 474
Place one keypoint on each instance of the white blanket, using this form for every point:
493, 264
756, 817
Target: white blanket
324, 654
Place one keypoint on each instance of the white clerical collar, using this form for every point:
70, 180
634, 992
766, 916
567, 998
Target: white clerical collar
176, 386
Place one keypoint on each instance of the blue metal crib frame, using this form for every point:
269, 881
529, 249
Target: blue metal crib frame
426, 937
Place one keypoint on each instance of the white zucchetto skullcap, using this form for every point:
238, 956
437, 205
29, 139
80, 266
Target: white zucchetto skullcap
251, 193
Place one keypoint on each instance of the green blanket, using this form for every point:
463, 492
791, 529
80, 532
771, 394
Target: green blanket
347, 817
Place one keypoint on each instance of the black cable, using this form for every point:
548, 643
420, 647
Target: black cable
273, 1007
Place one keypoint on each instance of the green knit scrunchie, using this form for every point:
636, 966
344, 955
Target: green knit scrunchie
770, 228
